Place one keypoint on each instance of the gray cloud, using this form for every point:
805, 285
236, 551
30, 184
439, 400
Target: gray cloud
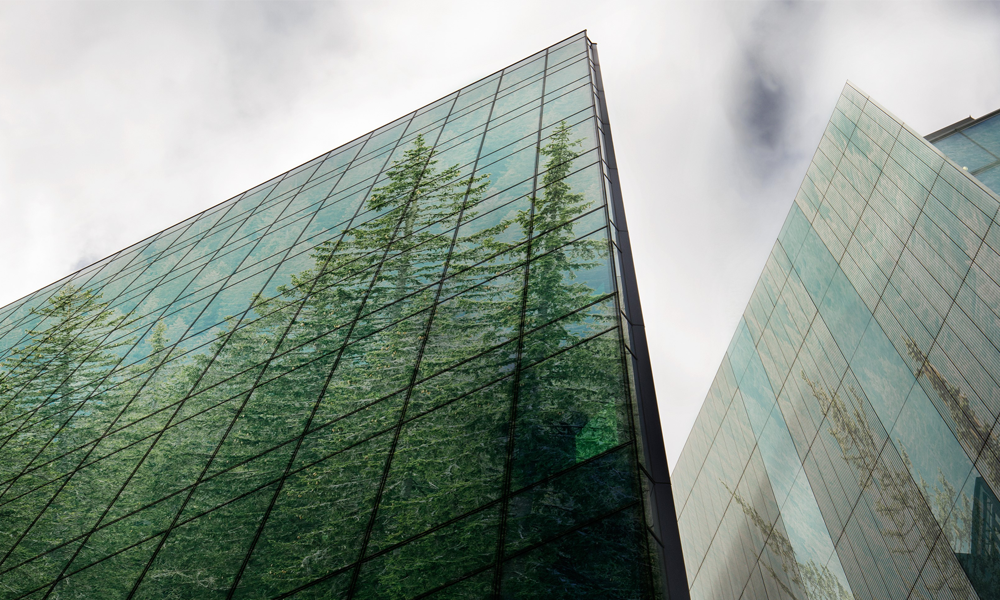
118, 119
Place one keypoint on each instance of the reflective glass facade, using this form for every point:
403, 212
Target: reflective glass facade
413, 367
848, 446
974, 146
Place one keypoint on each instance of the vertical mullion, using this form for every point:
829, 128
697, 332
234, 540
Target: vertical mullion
650, 429
625, 351
222, 347
97, 525
518, 367
420, 353
347, 338
281, 480
66, 481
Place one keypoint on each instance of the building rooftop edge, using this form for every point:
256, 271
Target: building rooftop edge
958, 126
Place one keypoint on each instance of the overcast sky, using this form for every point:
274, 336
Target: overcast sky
118, 119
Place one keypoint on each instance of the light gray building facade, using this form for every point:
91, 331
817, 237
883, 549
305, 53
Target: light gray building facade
848, 446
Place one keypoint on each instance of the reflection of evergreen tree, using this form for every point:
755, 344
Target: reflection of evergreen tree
51, 418
951, 509
58, 369
560, 396
570, 388
334, 354
907, 522
971, 431
798, 580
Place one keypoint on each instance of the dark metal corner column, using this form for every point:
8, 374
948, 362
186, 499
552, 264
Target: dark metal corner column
665, 516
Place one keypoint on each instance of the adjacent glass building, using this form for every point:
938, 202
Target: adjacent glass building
849, 445
413, 367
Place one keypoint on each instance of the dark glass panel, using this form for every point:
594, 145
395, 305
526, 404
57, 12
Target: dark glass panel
187, 567
458, 379
604, 560
471, 588
113, 577
432, 560
318, 521
38, 574
446, 463
595, 488
333, 586
119, 536
329, 436
569, 408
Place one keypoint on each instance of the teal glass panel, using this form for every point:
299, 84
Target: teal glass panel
593, 489
965, 152
879, 452
815, 266
844, 313
758, 395
986, 134
991, 177
476, 94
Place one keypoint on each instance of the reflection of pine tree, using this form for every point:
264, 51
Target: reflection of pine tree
970, 430
779, 545
950, 509
371, 291
562, 395
452, 460
821, 584
807, 580
51, 418
908, 524
43, 383
334, 349
974, 435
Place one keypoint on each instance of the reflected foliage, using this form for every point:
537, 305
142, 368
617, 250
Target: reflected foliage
798, 580
909, 513
982, 531
359, 429
906, 521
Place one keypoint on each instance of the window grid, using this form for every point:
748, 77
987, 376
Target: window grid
345, 309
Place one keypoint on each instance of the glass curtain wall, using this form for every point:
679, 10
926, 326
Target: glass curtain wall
396, 371
975, 147
848, 447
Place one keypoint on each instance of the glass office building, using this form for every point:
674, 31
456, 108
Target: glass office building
848, 446
413, 367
